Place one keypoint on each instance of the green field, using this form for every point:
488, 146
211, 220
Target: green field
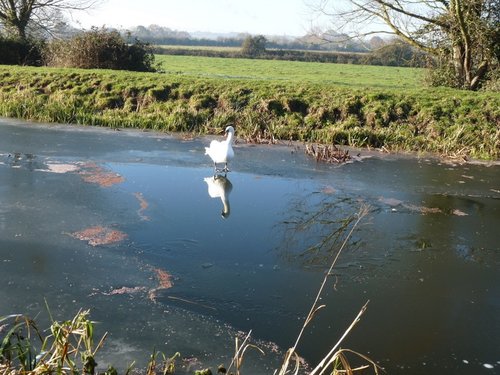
198, 48
344, 75
355, 105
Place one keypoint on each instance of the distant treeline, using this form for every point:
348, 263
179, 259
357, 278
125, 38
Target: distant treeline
397, 54
237, 42
173, 41
270, 54
331, 41
330, 47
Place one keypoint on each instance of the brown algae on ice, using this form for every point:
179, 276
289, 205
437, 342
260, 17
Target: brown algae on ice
99, 235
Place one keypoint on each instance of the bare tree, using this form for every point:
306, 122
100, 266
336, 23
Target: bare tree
19, 16
464, 34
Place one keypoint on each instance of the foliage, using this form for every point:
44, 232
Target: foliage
21, 51
397, 54
493, 81
466, 43
367, 108
254, 45
99, 48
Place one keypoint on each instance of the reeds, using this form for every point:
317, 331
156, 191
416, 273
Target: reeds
335, 361
69, 349
328, 153
166, 366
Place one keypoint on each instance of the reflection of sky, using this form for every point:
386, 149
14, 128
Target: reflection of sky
425, 272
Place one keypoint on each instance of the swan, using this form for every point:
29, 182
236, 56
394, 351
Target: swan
221, 151
220, 187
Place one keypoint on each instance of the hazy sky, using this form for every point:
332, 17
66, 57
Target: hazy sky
269, 17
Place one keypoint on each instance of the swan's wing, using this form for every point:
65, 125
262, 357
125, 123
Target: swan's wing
229, 152
215, 144
214, 189
218, 151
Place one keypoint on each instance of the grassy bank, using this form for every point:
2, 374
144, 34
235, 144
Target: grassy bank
355, 105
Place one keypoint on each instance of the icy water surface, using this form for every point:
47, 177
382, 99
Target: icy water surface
135, 227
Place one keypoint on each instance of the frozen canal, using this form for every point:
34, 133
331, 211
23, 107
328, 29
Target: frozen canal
122, 222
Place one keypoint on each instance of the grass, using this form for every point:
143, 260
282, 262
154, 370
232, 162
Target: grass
266, 101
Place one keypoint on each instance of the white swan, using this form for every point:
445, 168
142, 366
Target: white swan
220, 187
221, 151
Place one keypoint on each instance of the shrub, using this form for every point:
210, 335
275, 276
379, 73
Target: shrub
99, 49
396, 54
21, 52
493, 80
254, 45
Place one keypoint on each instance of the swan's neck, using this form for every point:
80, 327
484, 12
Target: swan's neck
229, 138
227, 209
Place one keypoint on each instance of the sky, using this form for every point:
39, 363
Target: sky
268, 17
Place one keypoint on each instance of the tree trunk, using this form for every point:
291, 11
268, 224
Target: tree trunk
21, 31
458, 63
481, 72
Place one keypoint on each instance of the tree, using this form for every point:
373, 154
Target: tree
19, 16
462, 35
254, 45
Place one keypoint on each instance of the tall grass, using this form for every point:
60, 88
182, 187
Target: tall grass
266, 109
69, 349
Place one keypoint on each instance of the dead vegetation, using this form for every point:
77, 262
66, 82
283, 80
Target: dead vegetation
327, 153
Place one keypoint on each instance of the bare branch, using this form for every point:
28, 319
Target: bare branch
26, 15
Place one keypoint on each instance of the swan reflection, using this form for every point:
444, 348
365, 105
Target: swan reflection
219, 186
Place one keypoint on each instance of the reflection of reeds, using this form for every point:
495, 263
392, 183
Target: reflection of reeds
320, 220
